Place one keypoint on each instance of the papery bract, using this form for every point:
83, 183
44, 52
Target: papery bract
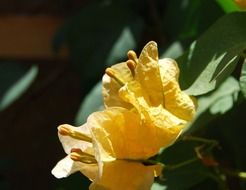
145, 111
119, 146
151, 87
125, 175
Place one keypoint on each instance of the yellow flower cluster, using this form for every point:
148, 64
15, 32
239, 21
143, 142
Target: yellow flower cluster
145, 110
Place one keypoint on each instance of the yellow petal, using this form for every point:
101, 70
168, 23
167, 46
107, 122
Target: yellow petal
176, 101
167, 127
66, 167
180, 104
148, 74
136, 96
121, 134
118, 134
124, 175
110, 92
169, 71
111, 87
69, 142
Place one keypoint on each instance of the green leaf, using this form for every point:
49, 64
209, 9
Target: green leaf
92, 102
19, 84
92, 33
243, 80
157, 186
124, 43
222, 105
173, 51
185, 26
217, 102
228, 5
214, 55
229, 88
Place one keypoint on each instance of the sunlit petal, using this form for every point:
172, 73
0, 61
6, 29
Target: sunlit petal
68, 142
66, 167
120, 133
125, 175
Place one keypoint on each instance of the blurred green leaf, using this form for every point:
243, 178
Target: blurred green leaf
243, 80
229, 88
92, 34
157, 186
217, 102
124, 43
91, 103
173, 51
181, 23
18, 86
213, 56
228, 5
222, 105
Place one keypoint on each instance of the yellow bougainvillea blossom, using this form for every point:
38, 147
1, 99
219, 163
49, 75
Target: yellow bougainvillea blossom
150, 86
110, 149
145, 111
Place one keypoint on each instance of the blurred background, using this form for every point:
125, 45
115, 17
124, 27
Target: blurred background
53, 53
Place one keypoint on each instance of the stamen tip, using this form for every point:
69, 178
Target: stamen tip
64, 130
132, 56
110, 72
131, 64
75, 156
77, 150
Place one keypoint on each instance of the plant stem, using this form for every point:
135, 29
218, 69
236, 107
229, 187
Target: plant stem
181, 164
200, 139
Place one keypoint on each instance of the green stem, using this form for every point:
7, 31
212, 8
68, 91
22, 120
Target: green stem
200, 139
181, 164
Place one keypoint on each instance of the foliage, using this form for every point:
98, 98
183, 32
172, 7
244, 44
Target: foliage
209, 47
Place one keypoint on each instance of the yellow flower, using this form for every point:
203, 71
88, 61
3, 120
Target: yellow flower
241, 3
110, 150
150, 86
145, 110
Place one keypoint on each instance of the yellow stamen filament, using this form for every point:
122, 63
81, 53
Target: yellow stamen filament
110, 72
66, 131
131, 65
80, 156
132, 56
